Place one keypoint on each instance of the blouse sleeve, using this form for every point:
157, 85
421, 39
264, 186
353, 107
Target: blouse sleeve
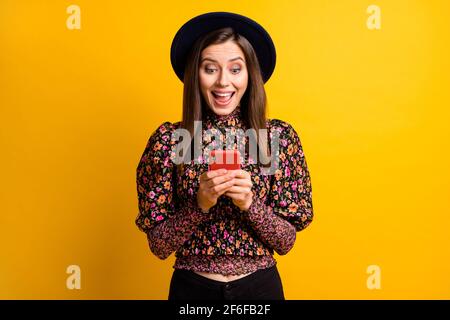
167, 223
288, 208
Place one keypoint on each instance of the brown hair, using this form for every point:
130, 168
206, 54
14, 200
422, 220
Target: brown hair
253, 102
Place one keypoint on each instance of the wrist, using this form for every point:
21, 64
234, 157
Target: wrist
200, 208
204, 210
247, 206
255, 208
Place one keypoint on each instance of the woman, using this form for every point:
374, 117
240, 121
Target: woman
224, 225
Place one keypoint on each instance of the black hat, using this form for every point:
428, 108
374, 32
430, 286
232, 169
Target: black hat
205, 23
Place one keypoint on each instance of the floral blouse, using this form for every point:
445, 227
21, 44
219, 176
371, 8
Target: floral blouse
226, 239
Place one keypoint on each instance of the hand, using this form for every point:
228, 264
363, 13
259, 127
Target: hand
241, 192
212, 185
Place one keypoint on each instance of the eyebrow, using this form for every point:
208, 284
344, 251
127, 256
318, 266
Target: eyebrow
234, 59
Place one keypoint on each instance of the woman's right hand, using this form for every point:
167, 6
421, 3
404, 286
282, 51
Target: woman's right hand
212, 185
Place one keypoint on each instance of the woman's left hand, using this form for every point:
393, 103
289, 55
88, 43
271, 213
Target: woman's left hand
241, 192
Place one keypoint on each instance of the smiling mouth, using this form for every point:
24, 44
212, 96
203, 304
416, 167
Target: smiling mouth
223, 98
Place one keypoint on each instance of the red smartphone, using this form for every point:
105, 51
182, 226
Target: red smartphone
224, 159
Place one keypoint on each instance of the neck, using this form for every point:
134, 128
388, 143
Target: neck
235, 113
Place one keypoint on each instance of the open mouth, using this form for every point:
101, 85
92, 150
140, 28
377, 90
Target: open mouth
222, 98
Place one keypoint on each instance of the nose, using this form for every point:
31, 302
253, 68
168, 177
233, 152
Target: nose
223, 79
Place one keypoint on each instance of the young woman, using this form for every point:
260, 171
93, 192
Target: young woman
224, 225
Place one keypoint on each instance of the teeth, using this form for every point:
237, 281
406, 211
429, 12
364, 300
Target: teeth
223, 94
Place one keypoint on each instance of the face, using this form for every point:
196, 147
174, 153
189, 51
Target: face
223, 76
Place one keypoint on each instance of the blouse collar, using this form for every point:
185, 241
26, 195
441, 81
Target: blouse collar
230, 120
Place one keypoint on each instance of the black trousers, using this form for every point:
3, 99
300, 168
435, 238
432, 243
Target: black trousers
264, 284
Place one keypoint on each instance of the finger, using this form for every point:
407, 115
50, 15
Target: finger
241, 190
240, 174
219, 189
242, 182
231, 194
224, 191
212, 174
235, 196
219, 180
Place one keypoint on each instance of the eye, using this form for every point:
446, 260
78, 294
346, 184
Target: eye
208, 70
236, 68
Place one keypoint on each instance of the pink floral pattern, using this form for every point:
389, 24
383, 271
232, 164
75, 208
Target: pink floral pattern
169, 215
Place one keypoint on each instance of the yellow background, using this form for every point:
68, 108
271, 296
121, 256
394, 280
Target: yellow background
371, 108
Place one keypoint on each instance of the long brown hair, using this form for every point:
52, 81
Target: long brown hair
253, 102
